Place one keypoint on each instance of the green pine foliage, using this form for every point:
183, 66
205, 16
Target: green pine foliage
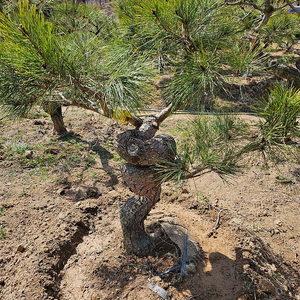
225, 144
214, 143
194, 78
69, 17
243, 58
187, 38
280, 110
45, 61
60, 52
282, 29
201, 44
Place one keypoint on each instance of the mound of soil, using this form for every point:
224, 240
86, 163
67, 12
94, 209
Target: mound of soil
62, 239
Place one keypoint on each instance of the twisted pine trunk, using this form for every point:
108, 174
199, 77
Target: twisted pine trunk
142, 149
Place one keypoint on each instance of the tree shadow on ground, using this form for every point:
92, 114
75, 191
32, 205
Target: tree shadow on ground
255, 273
104, 155
131, 268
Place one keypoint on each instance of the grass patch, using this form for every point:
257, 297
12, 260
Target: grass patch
89, 161
2, 231
287, 59
203, 203
117, 158
19, 148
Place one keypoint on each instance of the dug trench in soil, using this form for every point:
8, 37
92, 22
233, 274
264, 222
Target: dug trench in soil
41, 255
237, 261
232, 265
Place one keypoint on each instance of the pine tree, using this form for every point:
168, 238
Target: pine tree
72, 54
200, 47
75, 60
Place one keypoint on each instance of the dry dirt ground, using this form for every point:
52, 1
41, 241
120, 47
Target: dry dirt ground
61, 236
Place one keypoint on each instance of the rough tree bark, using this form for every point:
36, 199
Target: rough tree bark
289, 73
58, 121
142, 149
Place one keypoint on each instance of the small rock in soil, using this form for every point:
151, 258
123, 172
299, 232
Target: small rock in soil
37, 122
61, 191
28, 153
21, 248
2, 282
92, 192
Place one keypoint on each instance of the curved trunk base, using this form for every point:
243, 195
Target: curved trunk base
132, 215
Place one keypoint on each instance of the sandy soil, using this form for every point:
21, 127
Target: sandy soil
61, 236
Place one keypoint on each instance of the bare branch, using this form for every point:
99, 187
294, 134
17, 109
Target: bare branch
267, 11
240, 3
218, 219
280, 7
264, 21
197, 171
161, 116
71, 103
133, 120
268, 7
293, 7
286, 72
165, 28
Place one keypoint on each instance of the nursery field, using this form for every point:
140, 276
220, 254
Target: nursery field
61, 238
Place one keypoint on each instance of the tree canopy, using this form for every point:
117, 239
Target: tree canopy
57, 53
73, 57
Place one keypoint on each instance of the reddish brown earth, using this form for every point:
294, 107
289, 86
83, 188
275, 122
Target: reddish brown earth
62, 237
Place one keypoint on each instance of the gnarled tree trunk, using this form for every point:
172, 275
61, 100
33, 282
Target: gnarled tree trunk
142, 149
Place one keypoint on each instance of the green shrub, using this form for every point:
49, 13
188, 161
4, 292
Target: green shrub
279, 111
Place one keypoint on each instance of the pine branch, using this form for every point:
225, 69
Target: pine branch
105, 110
280, 7
293, 7
267, 5
164, 114
267, 11
241, 3
196, 172
166, 29
135, 121
76, 104
26, 35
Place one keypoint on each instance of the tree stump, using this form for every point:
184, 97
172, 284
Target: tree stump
142, 149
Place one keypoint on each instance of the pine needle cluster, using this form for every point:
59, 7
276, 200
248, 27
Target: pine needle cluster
63, 53
80, 59
225, 144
